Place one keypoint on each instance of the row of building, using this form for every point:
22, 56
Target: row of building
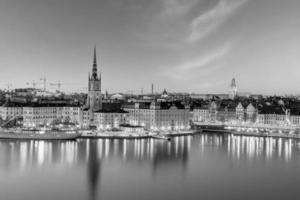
163, 113
154, 114
150, 115
246, 114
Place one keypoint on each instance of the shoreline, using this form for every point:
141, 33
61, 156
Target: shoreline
266, 136
170, 135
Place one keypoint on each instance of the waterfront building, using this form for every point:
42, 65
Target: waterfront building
72, 114
111, 116
108, 120
205, 113
37, 114
294, 120
226, 113
10, 110
240, 113
200, 114
159, 115
87, 117
273, 116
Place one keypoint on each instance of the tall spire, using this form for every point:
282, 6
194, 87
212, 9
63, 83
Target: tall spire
95, 56
94, 72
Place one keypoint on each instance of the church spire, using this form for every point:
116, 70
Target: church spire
94, 72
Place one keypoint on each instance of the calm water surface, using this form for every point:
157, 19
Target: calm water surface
193, 167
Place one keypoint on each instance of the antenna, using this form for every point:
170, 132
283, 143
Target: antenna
152, 89
8, 86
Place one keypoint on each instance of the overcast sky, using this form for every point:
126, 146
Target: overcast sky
193, 46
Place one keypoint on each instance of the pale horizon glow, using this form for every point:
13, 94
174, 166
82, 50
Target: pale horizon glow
194, 46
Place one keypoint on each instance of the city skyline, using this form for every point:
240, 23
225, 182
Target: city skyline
197, 46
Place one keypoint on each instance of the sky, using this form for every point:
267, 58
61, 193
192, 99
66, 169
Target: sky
183, 46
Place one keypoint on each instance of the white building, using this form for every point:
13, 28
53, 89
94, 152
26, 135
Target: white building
39, 114
107, 120
206, 113
11, 110
273, 116
159, 115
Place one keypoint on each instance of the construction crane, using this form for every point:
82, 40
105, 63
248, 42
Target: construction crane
58, 84
44, 82
8, 86
33, 83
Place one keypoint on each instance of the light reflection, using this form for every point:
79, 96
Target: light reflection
25, 154
160, 154
253, 147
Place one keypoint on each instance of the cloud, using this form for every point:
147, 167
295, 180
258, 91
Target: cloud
209, 21
208, 63
205, 60
204, 63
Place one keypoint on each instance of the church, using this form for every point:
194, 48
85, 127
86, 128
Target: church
103, 116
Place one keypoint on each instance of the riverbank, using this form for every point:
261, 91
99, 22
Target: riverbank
277, 135
123, 135
263, 131
38, 136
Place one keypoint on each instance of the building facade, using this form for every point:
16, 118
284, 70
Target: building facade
206, 113
159, 115
45, 115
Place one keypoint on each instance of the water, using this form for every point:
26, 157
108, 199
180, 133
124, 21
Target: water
193, 167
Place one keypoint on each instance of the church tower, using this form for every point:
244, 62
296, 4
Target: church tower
233, 89
94, 101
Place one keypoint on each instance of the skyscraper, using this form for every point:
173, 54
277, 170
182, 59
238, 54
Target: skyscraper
94, 101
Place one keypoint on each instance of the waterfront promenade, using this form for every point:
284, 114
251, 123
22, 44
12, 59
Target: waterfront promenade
251, 130
131, 135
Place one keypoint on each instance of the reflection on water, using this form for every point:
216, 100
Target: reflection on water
23, 154
92, 154
253, 147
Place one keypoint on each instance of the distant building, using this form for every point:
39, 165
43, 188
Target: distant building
233, 89
251, 113
117, 97
165, 94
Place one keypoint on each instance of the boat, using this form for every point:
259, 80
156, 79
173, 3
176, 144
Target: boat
38, 134
162, 137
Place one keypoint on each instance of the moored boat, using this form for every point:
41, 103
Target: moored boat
162, 137
39, 134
